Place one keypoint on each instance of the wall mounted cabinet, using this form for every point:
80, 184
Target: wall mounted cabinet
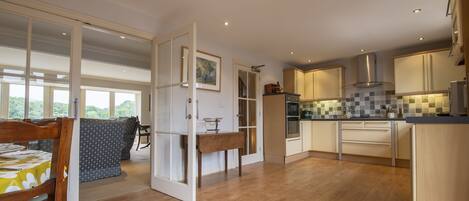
426, 73
294, 81
457, 47
322, 84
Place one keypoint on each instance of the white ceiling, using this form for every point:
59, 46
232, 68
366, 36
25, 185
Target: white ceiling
319, 30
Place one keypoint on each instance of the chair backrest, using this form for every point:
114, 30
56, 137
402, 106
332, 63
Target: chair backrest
60, 131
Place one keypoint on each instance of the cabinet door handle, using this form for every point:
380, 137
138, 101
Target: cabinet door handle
431, 73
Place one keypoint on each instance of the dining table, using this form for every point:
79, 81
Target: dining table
22, 170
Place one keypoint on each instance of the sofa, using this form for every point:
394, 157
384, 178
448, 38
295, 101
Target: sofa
100, 148
130, 130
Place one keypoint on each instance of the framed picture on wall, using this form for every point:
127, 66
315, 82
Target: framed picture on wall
208, 72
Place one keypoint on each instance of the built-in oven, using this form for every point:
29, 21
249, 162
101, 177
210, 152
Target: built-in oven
292, 103
293, 127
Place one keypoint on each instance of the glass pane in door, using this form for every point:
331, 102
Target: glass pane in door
242, 84
252, 85
13, 55
50, 66
60, 99
252, 113
242, 112
245, 130
252, 141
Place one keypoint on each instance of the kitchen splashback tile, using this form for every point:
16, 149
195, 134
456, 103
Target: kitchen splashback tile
375, 104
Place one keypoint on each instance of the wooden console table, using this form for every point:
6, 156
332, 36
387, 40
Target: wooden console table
214, 142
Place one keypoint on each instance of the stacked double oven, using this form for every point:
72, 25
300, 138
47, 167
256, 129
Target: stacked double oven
292, 107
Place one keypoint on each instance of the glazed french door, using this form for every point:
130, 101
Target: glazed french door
174, 117
40, 54
248, 108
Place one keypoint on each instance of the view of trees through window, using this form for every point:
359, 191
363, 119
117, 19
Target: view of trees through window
16, 101
97, 104
125, 105
60, 103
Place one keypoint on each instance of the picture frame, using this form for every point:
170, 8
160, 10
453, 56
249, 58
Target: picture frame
208, 72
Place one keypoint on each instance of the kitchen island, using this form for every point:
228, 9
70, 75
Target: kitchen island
439, 158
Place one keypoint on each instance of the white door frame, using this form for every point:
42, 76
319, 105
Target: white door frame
259, 155
74, 82
183, 191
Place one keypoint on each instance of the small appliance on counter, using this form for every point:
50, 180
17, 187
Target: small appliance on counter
272, 88
458, 98
306, 114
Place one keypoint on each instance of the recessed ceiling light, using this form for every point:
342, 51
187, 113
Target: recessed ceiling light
291, 52
456, 32
122, 37
421, 38
417, 10
362, 50
227, 23
309, 60
64, 34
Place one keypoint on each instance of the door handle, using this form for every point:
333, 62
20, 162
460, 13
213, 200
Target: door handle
75, 108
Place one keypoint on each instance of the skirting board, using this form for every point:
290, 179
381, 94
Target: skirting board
361, 159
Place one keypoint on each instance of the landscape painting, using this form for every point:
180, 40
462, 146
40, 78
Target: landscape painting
207, 71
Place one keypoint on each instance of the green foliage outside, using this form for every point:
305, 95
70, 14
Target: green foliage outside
16, 109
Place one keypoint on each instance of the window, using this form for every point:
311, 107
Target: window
16, 101
125, 104
97, 104
36, 102
60, 103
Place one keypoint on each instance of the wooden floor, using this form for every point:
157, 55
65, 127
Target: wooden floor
308, 179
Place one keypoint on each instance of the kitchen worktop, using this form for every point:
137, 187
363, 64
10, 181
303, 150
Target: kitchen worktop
355, 119
438, 120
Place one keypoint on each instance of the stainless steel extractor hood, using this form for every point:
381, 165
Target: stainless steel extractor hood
367, 71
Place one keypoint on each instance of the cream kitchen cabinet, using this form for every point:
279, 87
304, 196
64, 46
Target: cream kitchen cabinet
426, 73
367, 138
293, 146
327, 84
403, 134
306, 135
324, 136
294, 81
457, 47
309, 85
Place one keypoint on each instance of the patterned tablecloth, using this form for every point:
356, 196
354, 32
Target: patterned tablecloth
22, 170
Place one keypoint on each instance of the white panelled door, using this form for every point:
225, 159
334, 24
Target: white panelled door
173, 117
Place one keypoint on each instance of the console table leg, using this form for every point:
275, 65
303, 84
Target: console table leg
226, 161
239, 160
199, 167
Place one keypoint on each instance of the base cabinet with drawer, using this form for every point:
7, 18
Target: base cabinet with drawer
293, 146
367, 138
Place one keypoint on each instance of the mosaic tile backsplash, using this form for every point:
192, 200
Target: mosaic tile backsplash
376, 103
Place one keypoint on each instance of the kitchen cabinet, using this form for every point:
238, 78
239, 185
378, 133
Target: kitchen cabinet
426, 73
367, 138
443, 70
324, 136
403, 134
294, 81
293, 146
327, 84
309, 83
306, 135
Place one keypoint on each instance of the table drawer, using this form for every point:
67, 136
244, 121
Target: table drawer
377, 124
383, 135
365, 149
352, 124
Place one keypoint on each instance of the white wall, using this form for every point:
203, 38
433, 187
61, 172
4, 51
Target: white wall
221, 104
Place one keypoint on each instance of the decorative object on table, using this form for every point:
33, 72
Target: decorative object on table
272, 88
211, 124
208, 72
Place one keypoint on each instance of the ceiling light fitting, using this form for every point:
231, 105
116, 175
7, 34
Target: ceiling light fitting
417, 10
122, 37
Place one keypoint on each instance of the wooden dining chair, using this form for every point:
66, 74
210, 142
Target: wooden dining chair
60, 131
